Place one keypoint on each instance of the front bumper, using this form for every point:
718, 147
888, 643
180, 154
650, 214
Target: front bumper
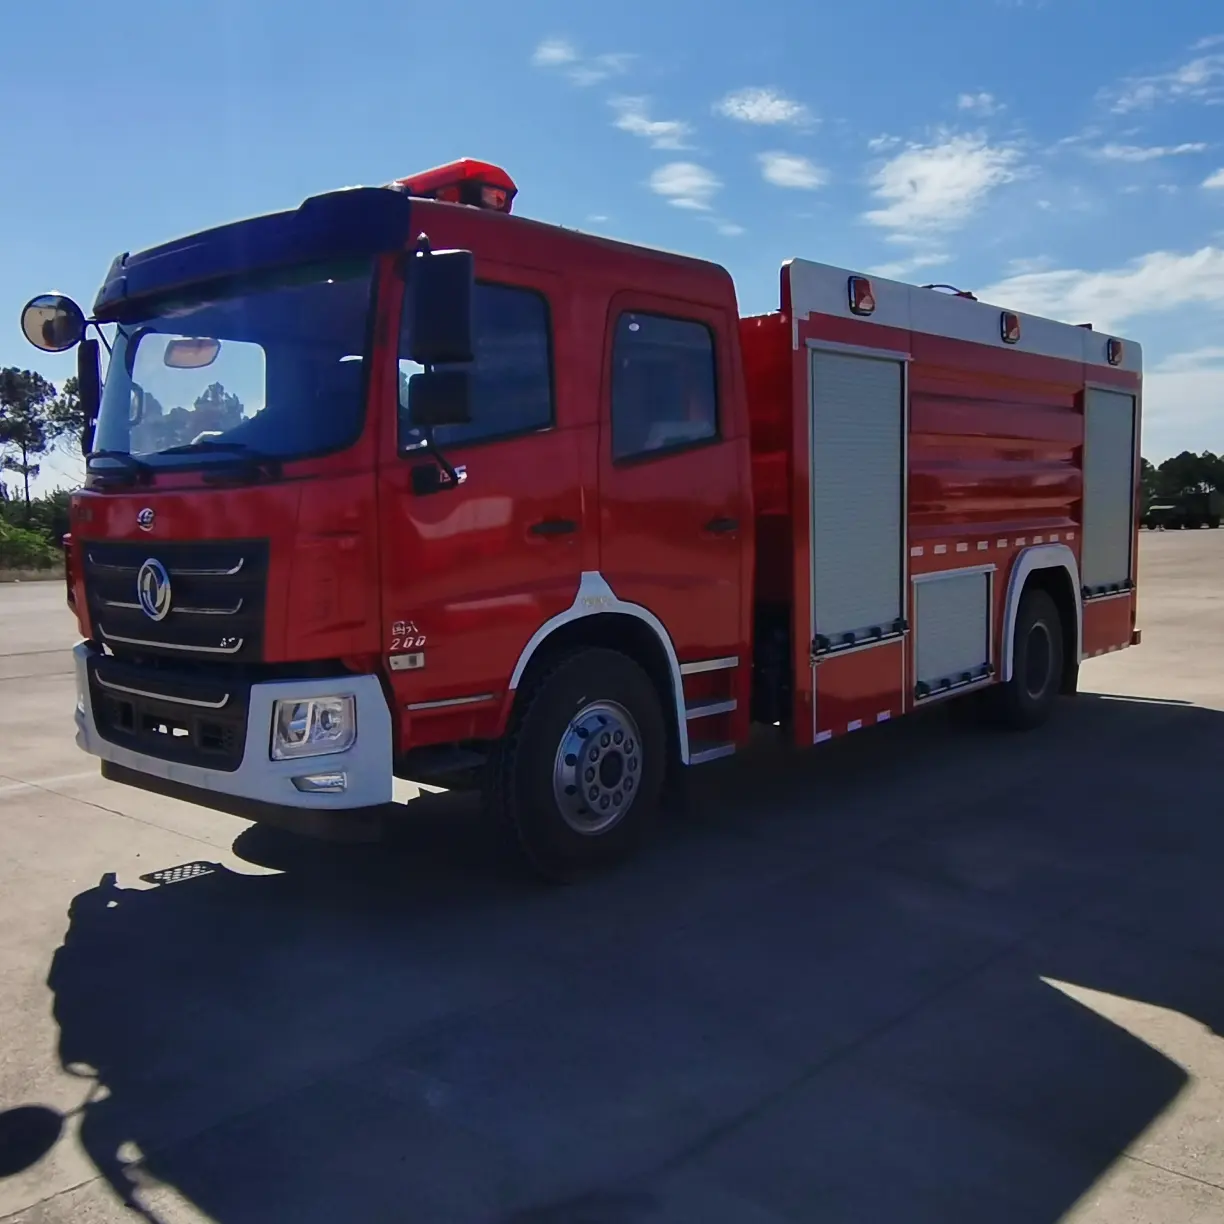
260, 782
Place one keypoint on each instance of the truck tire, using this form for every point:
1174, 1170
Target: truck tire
1026, 700
577, 778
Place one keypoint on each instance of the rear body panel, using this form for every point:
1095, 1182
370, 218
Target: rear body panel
993, 468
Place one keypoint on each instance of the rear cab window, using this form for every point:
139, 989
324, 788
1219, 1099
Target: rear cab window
664, 386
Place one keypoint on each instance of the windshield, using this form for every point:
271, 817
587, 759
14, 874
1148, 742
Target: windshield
273, 367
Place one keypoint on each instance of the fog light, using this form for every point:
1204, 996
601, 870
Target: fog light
322, 783
313, 726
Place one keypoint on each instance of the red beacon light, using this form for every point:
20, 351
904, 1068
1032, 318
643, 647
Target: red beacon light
1009, 325
475, 183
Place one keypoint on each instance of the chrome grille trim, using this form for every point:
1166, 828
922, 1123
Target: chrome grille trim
187, 701
127, 641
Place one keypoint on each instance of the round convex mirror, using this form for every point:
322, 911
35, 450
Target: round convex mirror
53, 322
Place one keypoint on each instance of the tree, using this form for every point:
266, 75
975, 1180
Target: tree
66, 418
25, 432
216, 410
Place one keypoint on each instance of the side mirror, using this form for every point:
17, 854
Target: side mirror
439, 397
53, 322
89, 389
438, 306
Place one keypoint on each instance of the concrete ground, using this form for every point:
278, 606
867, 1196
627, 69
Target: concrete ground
927, 974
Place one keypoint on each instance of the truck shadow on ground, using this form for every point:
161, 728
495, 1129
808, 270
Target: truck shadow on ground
889, 980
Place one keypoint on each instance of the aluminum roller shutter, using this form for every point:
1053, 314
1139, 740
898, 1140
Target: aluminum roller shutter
858, 422
951, 627
1109, 485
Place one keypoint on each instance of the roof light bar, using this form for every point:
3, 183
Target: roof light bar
467, 181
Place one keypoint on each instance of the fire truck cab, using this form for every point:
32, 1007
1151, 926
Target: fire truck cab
397, 483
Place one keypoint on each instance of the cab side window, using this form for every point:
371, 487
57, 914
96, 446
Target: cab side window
512, 376
664, 385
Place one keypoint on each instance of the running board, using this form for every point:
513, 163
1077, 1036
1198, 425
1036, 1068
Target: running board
701, 753
708, 708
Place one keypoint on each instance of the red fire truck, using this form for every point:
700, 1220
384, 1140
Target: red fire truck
398, 484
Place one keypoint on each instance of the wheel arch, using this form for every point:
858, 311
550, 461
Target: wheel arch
1054, 569
598, 617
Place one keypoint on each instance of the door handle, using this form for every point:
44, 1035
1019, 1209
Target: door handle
722, 526
553, 527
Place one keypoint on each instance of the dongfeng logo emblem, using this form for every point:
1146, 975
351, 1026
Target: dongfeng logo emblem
144, 520
153, 590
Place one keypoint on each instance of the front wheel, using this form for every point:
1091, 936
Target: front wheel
578, 777
1026, 700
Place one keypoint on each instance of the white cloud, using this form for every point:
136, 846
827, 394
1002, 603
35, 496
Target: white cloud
877, 144
729, 229
791, 170
1198, 80
562, 54
1145, 153
762, 106
1159, 281
633, 117
553, 52
907, 267
685, 185
1182, 399
1215, 182
979, 103
601, 68
939, 186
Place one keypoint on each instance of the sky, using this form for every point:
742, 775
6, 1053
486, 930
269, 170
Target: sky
1064, 157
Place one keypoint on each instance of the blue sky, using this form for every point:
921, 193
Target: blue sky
1063, 156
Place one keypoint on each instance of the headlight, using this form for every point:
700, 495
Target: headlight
313, 726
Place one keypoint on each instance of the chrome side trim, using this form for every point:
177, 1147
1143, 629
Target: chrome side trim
702, 755
707, 709
187, 701
449, 701
127, 641
709, 665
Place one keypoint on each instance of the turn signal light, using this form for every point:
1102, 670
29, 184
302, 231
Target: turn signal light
862, 299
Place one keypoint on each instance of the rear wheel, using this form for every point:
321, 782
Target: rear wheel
578, 777
1026, 700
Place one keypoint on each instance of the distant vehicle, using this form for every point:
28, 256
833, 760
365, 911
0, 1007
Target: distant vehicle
539, 511
1190, 511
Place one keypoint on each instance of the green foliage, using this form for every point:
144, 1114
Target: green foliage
25, 432
25, 550
1180, 476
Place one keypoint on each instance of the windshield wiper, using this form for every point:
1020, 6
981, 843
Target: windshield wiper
137, 469
242, 453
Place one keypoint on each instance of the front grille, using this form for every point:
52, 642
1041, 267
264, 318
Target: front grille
192, 717
214, 611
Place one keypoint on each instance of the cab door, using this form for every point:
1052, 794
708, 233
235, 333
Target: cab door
673, 515
470, 573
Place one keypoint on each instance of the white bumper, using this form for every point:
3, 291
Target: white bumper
367, 765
